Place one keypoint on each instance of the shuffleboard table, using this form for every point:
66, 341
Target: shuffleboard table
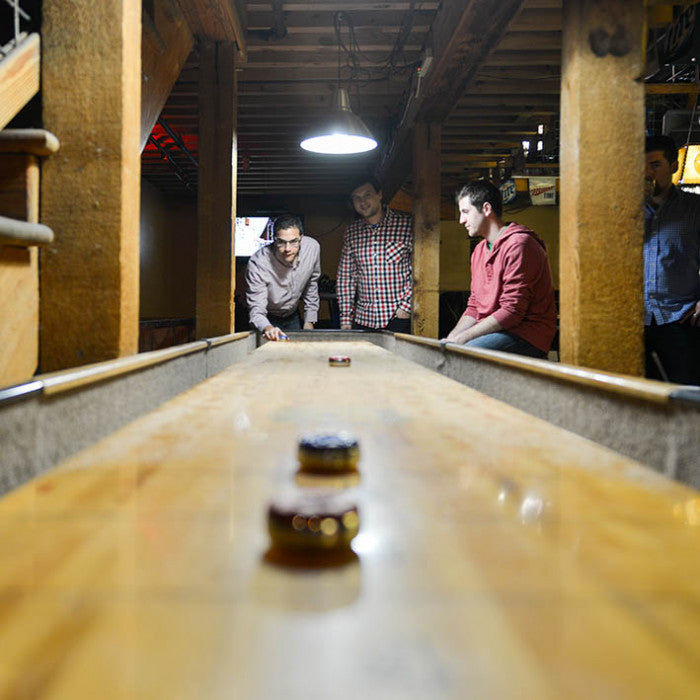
498, 555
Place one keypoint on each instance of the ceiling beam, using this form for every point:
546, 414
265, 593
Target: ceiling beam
463, 35
224, 20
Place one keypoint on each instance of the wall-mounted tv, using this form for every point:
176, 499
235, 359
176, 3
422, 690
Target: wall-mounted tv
252, 233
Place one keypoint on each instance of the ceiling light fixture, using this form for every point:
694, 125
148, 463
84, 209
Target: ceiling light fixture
341, 131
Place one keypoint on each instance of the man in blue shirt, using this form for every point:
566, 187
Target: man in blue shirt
671, 270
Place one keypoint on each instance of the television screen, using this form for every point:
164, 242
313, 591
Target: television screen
252, 233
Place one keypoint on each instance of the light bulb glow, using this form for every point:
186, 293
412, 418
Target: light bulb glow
338, 144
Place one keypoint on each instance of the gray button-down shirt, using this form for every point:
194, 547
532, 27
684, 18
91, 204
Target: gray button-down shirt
276, 287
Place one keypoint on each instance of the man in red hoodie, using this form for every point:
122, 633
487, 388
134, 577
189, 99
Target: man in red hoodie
511, 306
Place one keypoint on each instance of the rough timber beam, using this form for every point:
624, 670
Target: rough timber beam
91, 98
222, 21
602, 119
463, 35
216, 192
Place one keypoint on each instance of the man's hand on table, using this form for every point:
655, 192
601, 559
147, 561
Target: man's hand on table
272, 333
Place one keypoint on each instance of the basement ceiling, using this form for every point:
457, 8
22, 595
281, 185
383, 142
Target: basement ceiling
293, 64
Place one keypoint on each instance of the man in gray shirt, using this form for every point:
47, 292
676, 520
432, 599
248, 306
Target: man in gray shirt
281, 274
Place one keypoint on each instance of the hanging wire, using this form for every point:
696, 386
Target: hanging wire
382, 68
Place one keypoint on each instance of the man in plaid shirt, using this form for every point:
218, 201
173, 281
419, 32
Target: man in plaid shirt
375, 274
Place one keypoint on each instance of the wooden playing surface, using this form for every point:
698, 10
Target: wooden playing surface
498, 556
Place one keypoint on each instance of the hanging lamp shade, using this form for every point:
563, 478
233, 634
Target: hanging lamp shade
342, 131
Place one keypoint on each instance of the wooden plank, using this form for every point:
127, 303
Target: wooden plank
524, 58
362, 5
136, 569
91, 90
537, 20
322, 22
19, 77
167, 42
216, 192
426, 229
601, 308
526, 41
671, 88
19, 272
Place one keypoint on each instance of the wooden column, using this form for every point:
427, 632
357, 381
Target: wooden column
602, 170
19, 271
216, 201
91, 95
426, 229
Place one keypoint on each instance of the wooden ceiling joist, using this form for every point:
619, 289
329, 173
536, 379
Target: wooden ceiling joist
224, 20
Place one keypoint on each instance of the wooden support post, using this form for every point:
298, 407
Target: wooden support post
602, 170
216, 199
19, 271
426, 229
91, 95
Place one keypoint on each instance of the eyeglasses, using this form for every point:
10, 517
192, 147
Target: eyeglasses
293, 243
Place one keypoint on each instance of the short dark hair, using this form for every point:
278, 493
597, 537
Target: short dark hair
480, 192
288, 221
366, 180
662, 143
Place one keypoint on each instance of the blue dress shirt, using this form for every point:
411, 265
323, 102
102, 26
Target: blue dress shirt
671, 258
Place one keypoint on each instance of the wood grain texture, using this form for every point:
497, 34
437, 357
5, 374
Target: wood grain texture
19, 272
91, 95
19, 77
216, 193
426, 229
631, 387
499, 557
601, 270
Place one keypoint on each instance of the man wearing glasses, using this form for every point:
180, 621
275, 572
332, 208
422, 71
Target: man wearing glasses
281, 274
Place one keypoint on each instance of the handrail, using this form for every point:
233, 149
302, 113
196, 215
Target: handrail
67, 380
647, 389
23, 233
38, 142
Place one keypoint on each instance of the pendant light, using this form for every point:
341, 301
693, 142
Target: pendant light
341, 131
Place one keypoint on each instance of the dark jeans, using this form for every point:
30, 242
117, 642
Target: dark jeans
677, 347
286, 323
396, 325
506, 342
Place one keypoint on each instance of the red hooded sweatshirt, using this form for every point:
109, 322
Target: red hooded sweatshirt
513, 282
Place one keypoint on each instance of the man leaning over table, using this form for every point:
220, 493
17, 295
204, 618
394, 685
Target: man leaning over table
279, 276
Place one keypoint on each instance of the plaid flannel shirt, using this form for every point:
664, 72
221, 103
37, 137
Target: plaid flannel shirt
375, 274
